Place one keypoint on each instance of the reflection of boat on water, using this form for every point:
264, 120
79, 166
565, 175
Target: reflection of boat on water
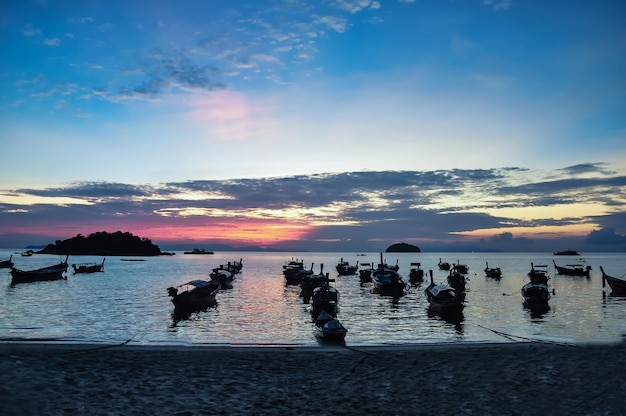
573, 270
617, 285
54, 272
193, 296
88, 267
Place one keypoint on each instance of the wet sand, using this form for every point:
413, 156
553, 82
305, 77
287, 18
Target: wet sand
450, 379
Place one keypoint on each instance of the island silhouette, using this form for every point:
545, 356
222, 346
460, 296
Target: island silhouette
105, 244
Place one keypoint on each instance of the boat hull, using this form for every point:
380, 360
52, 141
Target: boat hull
54, 272
388, 282
365, 275
197, 299
325, 298
21, 276
444, 301
88, 268
494, 273
197, 251
573, 270
345, 269
416, 275
450, 307
6, 264
536, 296
385, 289
331, 335
618, 286
457, 281
329, 329
198, 304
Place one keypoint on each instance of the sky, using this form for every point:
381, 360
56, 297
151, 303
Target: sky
330, 125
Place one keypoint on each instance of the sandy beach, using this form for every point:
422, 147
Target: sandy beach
449, 379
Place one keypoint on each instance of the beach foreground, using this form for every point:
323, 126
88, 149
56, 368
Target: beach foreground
450, 379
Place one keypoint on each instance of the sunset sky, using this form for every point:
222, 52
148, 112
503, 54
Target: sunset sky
339, 125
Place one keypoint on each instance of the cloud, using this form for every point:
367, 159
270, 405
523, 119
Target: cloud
29, 30
167, 73
355, 6
347, 208
585, 168
260, 45
606, 236
462, 46
32, 80
547, 189
338, 24
91, 190
52, 42
615, 221
146, 90
499, 5
106, 27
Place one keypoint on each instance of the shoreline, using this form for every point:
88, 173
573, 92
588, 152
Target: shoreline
513, 378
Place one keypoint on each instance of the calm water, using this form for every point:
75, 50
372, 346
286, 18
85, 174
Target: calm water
129, 302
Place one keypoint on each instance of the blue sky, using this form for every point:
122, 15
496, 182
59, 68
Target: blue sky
168, 119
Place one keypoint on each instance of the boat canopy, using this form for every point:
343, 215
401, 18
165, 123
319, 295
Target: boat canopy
197, 283
324, 317
333, 324
436, 290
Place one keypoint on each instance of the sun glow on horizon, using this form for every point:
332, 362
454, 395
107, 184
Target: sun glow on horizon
539, 232
237, 232
554, 212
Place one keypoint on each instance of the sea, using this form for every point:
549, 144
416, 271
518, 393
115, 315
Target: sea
128, 302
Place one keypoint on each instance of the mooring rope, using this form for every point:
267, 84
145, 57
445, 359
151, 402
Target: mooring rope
518, 337
135, 337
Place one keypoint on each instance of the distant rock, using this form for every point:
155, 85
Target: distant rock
403, 248
105, 244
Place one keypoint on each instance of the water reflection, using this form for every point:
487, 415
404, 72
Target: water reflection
537, 311
260, 308
451, 316
185, 314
